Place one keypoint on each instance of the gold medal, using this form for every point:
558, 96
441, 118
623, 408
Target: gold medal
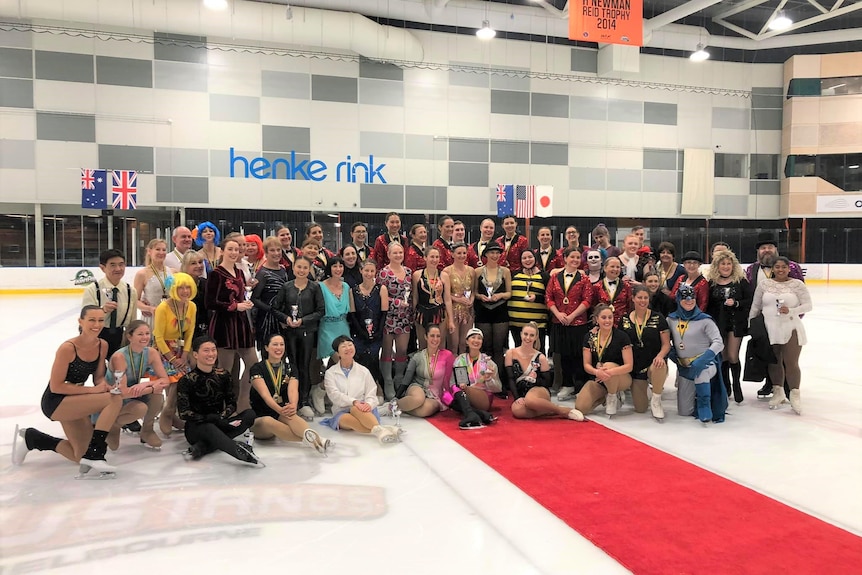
566, 300
611, 307
277, 398
681, 345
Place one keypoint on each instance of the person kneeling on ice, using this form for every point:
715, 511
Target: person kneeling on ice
138, 372
206, 402
353, 393
531, 376
274, 397
697, 344
69, 401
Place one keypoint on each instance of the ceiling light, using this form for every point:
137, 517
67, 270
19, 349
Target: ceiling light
699, 55
853, 167
486, 32
215, 4
780, 22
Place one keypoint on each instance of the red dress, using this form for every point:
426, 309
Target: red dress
380, 252
511, 257
621, 300
231, 329
414, 257
445, 250
701, 291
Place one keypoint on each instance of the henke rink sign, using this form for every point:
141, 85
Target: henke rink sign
293, 168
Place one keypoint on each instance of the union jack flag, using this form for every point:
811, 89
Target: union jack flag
124, 191
525, 201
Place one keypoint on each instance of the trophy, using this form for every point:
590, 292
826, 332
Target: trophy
490, 290
527, 295
407, 296
369, 326
118, 375
294, 312
778, 304
467, 294
248, 290
109, 294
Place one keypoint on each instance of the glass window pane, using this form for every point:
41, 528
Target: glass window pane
95, 239
764, 167
731, 166
16, 240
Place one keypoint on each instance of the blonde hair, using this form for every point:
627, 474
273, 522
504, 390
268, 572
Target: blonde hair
182, 279
735, 276
188, 257
152, 244
270, 242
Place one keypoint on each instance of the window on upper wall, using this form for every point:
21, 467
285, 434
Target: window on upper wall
731, 166
841, 170
764, 167
841, 86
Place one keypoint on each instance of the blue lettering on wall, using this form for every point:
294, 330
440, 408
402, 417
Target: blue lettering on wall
293, 168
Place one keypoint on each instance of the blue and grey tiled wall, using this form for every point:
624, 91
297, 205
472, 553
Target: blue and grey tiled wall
173, 111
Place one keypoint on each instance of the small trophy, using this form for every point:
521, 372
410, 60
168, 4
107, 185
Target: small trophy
727, 293
407, 296
118, 375
529, 286
467, 293
369, 326
294, 312
109, 294
248, 290
490, 290
778, 304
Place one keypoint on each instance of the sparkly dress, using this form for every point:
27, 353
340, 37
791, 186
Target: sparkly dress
154, 293
460, 284
398, 318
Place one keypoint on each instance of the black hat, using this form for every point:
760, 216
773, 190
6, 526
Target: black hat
492, 247
764, 238
692, 255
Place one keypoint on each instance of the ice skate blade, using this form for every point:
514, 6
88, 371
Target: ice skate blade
84, 473
151, 447
19, 446
659, 419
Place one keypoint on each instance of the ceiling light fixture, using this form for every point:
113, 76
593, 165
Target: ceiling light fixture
486, 32
216, 4
699, 55
780, 22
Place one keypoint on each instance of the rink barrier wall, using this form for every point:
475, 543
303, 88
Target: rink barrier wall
33, 281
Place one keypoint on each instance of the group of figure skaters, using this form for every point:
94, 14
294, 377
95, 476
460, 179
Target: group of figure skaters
247, 337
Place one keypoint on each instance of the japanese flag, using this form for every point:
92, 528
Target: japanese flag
544, 201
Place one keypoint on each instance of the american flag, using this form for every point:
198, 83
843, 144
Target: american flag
125, 190
525, 201
94, 189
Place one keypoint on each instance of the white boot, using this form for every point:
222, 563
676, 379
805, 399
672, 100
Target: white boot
565, 393
383, 435
778, 396
612, 402
795, 401
575, 415
318, 399
655, 406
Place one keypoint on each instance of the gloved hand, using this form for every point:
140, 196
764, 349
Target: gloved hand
701, 363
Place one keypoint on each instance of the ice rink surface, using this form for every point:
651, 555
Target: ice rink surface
425, 506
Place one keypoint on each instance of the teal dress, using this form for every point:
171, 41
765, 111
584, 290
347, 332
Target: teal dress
334, 321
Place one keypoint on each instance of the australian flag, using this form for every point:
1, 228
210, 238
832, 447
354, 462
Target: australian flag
505, 200
94, 189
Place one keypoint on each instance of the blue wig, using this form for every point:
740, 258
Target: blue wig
199, 240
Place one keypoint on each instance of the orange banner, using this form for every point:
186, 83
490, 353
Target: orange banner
607, 21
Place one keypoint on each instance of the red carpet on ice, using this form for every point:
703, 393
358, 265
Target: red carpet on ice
654, 513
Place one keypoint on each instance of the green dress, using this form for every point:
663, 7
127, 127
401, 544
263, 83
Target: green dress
334, 321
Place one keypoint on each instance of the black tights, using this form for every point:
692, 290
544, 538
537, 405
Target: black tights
299, 351
495, 337
219, 434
